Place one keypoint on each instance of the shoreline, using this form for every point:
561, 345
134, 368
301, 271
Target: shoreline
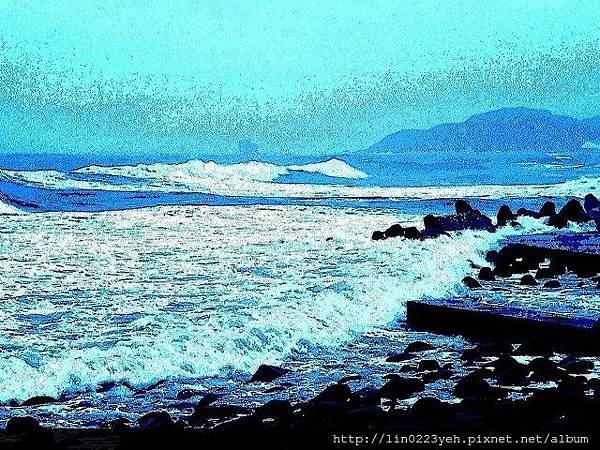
495, 384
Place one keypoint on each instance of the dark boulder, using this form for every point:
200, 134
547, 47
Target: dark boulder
274, 409
486, 274
428, 407
39, 400
432, 222
394, 231
443, 373
471, 282
412, 233
184, 394
156, 420
491, 256
473, 385
399, 357
571, 212
494, 348
208, 399
558, 221
504, 216
548, 209
576, 366
401, 388
418, 346
266, 373
462, 207
528, 280
378, 236
339, 393
545, 374
20, 425
541, 363
428, 364
552, 284
590, 203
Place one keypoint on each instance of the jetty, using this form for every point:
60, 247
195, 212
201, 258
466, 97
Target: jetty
548, 255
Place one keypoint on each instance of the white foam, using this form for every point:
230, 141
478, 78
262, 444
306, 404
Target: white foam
256, 179
5, 208
169, 292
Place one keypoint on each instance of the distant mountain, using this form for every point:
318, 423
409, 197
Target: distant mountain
509, 129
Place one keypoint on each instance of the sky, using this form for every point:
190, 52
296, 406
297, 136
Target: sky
280, 77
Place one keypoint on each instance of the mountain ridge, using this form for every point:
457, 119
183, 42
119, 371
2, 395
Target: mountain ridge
506, 129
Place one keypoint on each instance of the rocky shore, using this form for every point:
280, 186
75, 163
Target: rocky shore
495, 386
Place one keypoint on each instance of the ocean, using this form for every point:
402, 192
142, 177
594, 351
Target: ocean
125, 282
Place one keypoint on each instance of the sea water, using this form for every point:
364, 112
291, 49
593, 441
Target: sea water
102, 304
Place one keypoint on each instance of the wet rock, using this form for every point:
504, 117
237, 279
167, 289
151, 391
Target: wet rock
571, 212
347, 378
156, 420
572, 385
491, 256
39, 400
19, 425
208, 399
266, 373
378, 235
541, 363
412, 233
474, 386
274, 409
428, 407
184, 394
505, 362
471, 282
394, 231
504, 216
534, 347
494, 348
548, 209
486, 274
399, 357
339, 393
401, 388
558, 221
406, 368
418, 346
119, 424
544, 374
528, 280
428, 364
552, 284
508, 371
575, 365
590, 203
442, 373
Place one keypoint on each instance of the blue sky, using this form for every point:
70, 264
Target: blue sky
302, 77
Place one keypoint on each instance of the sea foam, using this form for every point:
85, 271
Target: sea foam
260, 179
193, 292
